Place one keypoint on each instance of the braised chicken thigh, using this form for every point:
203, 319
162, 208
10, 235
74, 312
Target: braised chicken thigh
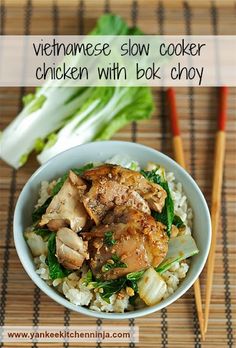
66, 208
104, 196
71, 250
113, 185
138, 242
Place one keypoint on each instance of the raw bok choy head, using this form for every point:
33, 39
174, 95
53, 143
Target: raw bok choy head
56, 118
107, 110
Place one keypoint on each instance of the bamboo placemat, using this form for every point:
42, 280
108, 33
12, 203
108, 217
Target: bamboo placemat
21, 303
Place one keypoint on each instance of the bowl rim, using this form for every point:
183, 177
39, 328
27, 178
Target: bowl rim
54, 295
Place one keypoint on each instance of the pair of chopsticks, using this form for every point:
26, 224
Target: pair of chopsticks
216, 194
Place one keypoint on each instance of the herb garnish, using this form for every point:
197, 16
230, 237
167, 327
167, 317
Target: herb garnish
133, 278
108, 238
110, 287
114, 262
113, 286
88, 277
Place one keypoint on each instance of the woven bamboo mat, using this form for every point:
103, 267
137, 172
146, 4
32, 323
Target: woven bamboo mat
21, 303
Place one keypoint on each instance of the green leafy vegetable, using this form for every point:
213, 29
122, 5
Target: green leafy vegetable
55, 269
152, 176
39, 145
81, 170
133, 278
51, 140
135, 31
36, 104
57, 118
110, 24
135, 275
23, 159
37, 213
127, 104
59, 184
110, 287
167, 214
28, 98
178, 222
43, 232
179, 248
115, 262
108, 238
134, 166
89, 277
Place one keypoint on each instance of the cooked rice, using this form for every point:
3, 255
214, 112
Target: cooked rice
73, 287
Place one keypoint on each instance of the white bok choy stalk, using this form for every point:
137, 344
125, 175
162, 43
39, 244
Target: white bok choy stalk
44, 113
151, 287
107, 110
179, 248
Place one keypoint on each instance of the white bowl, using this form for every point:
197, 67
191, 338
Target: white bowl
101, 151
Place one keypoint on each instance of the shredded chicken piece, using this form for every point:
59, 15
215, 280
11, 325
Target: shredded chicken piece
71, 250
105, 196
66, 208
138, 241
154, 194
55, 224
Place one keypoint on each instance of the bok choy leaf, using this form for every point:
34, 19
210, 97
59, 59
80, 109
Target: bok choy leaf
157, 176
56, 270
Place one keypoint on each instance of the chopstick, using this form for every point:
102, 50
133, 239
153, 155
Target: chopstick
216, 194
177, 141
179, 157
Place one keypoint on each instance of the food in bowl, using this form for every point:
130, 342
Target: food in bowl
111, 236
